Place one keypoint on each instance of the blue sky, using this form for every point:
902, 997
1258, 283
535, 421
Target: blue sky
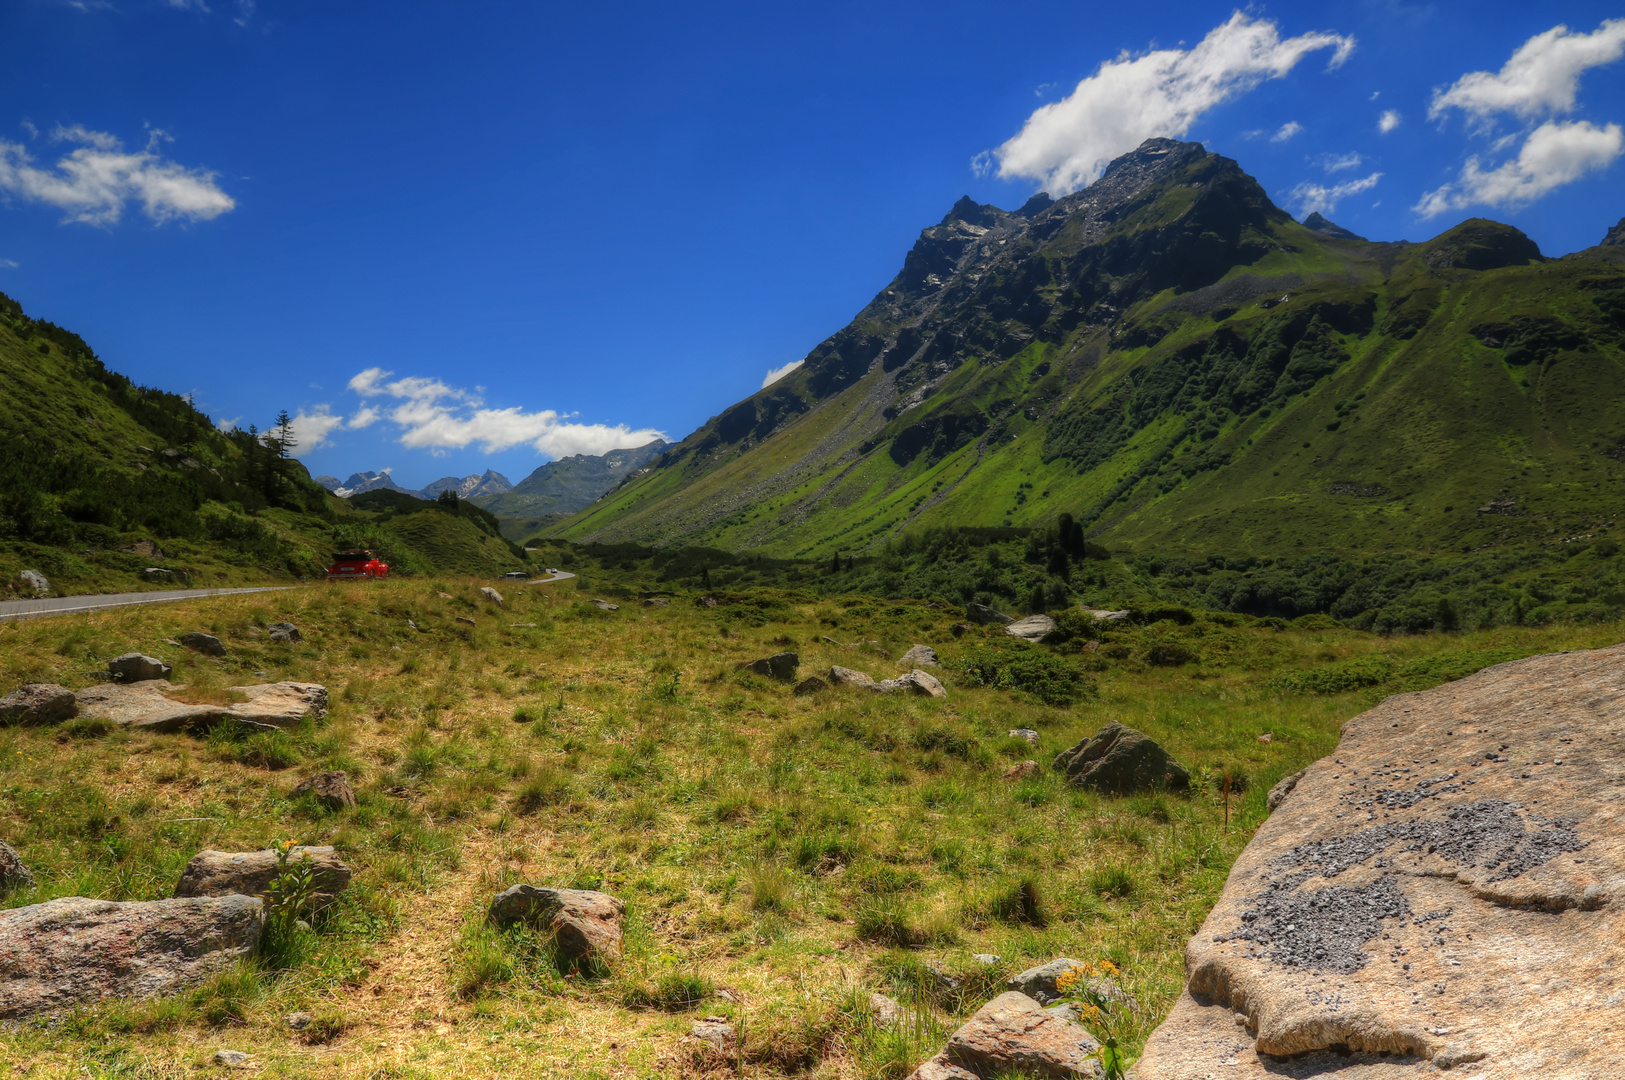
454, 237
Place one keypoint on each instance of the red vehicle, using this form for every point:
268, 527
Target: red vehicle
356, 564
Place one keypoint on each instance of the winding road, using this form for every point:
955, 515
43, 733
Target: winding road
69, 605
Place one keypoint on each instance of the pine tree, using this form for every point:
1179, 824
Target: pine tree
835, 563
705, 576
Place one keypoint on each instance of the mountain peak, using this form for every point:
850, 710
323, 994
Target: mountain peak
1325, 228
1616, 236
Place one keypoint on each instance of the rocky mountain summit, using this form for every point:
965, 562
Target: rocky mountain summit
1443, 892
569, 483
490, 482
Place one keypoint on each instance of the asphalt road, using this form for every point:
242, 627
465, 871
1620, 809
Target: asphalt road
558, 575
68, 605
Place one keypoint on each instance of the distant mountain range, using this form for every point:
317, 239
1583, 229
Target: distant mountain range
560, 487
1171, 359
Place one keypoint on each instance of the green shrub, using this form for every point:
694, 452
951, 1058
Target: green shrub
1029, 671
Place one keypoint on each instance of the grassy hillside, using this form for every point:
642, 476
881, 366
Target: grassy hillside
1175, 362
798, 852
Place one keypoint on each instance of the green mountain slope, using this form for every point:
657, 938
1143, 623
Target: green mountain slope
1173, 360
570, 483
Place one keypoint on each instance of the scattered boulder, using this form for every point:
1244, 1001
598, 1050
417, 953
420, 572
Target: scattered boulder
281, 704
1442, 891
982, 615
146, 549
812, 684
920, 656
1013, 1033
156, 573
715, 1032
605, 605
331, 790
657, 601
781, 666
72, 950
135, 667
1021, 770
1121, 761
231, 1059
916, 681
586, 925
1033, 628
491, 594
250, 873
706, 601
1108, 616
840, 676
886, 1012
1282, 789
38, 582
299, 1021
1026, 733
1267, 738
986, 959
207, 644
1039, 983
13, 874
38, 703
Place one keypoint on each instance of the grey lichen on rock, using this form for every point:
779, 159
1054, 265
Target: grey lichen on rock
38, 703
250, 873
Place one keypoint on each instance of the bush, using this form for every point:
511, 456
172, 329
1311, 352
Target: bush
1018, 903
1029, 671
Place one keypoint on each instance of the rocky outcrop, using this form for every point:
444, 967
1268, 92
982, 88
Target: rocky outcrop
1442, 892
35, 581
812, 684
920, 656
1042, 983
250, 873
13, 873
284, 632
147, 704
1021, 770
38, 703
1013, 1033
1120, 761
781, 666
982, 615
586, 925
135, 667
491, 594
331, 790
1033, 628
841, 676
75, 950
918, 682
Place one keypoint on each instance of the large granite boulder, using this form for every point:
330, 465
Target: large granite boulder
250, 873
35, 581
1442, 892
842, 676
135, 667
982, 615
75, 950
1033, 628
918, 682
148, 705
13, 873
920, 656
207, 644
1121, 761
281, 704
1014, 1034
781, 666
586, 925
38, 703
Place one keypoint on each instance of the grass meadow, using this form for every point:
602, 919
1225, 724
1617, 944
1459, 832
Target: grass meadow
781, 857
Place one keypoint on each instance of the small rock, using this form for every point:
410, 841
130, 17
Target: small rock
1108, 616
920, 656
586, 925
36, 581
827, 640
1282, 789
134, 667
38, 703
958, 629
656, 601
231, 1059
781, 666
840, 676
946, 981
985, 959
1025, 733
885, 1011
156, 573
812, 684
250, 873
1267, 738
706, 601
299, 1021
1021, 770
1039, 982
444, 595
983, 615
715, 1032
207, 644
1013, 1033
1120, 761
331, 790
465, 619
490, 594
13, 874
605, 605
284, 632
922, 683
1033, 628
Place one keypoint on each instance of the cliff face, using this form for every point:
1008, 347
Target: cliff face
1442, 892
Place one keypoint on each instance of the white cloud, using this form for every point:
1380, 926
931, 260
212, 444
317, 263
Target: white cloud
188, 5
93, 183
9, 264
1556, 153
1389, 120
1286, 131
1066, 144
1375, 94
366, 417
778, 373
435, 416
310, 430
1339, 162
1314, 197
1541, 79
